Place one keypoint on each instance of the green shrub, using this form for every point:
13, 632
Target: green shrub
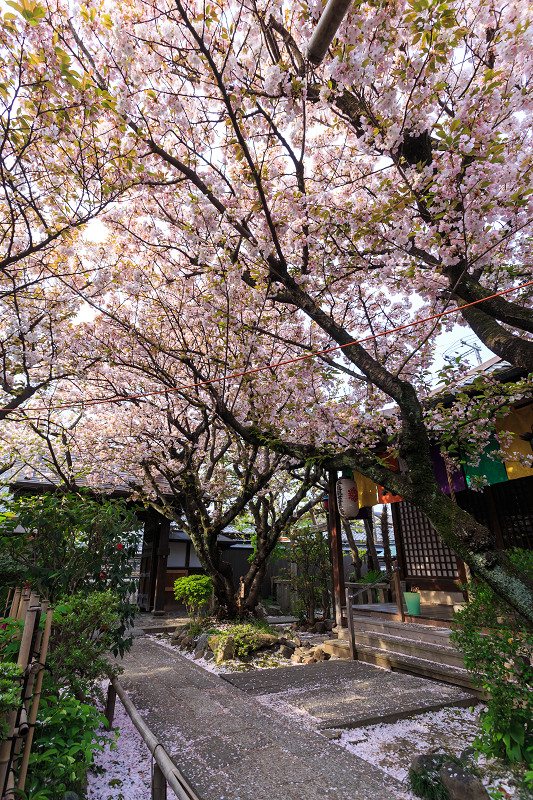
84, 630
66, 738
68, 544
10, 691
196, 592
497, 646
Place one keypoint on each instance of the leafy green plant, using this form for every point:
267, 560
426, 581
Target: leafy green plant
196, 592
67, 735
84, 630
497, 645
310, 552
68, 544
426, 782
10, 689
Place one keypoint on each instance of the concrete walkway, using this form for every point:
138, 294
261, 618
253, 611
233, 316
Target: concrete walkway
230, 747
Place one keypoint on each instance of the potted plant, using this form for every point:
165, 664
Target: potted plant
412, 601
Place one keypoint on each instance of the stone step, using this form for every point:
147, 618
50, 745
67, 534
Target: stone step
406, 630
401, 662
441, 653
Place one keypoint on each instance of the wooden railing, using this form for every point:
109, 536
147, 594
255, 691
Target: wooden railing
383, 580
165, 772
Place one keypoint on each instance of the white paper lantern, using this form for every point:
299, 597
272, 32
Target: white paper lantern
347, 498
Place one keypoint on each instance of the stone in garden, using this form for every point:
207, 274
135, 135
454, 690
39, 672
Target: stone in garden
319, 654
426, 762
226, 652
296, 658
309, 660
287, 642
460, 784
328, 624
297, 641
264, 640
320, 627
285, 650
179, 630
212, 643
187, 643
201, 646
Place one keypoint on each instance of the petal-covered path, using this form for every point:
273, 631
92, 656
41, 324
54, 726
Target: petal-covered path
231, 747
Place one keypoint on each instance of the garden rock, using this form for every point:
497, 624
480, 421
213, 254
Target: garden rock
328, 624
201, 646
187, 643
264, 640
296, 658
285, 650
460, 784
426, 762
226, 652
212, 643
179, 633
309, 660
319, 654
287, 642
320, 627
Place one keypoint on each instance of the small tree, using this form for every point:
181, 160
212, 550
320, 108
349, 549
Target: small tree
310, 553
196, 592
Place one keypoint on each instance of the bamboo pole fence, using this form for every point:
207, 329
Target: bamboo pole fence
23, 604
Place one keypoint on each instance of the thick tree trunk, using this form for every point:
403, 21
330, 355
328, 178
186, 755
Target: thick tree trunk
373, 561
354, 550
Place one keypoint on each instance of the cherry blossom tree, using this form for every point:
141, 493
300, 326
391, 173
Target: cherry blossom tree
382, 187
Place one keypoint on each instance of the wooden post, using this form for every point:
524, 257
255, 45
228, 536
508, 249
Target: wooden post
161, 576
159, 784
335, 539
351, 627
109, 712
398, 591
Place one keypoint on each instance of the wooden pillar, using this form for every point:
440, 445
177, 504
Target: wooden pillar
161, 566
159, 784
335, 541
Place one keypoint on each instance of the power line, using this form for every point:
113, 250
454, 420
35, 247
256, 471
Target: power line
286, 362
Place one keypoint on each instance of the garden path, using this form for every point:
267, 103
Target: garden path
230, 746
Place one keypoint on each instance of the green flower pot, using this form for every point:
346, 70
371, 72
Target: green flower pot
412, 601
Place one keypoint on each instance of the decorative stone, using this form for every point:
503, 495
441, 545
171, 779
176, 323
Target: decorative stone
287, 642
328, 624
187, 643
309, 660
460, 784
178, 636
296, 658
426, 762
319, 654
285, 651
297, 641
226, 652
264, 640
212, 643
201, 646
320, 627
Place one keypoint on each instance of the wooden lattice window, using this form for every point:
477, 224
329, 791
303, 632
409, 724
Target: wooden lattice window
513, 501
424, 554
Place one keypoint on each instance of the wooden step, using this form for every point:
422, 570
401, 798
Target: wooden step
401, 662
405, 630
430, 651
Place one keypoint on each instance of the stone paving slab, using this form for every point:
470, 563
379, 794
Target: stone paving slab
349, 694
230, 747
